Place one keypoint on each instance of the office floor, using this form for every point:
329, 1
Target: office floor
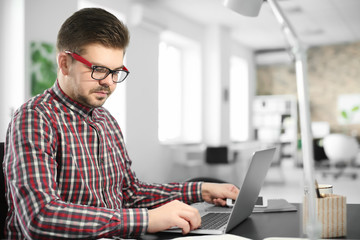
285, 181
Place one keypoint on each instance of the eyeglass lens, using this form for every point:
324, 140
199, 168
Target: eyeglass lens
100, 73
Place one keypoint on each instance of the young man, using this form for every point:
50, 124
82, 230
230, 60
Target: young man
67, 171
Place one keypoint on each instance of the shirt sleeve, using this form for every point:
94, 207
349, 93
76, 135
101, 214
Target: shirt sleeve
143, 195
30, 171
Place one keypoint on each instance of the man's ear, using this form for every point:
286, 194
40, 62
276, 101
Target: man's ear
63, 63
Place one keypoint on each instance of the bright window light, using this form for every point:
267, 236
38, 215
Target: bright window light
179, 91
170, 93
239, 99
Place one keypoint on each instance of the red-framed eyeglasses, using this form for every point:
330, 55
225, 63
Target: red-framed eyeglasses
101, 72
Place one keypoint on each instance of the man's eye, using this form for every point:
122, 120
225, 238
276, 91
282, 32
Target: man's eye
100, 70
115, 73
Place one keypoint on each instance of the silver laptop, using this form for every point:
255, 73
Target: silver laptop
220, 220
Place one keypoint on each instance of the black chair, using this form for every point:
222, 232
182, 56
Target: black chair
3, 204
216, 157
205, 179
219, 155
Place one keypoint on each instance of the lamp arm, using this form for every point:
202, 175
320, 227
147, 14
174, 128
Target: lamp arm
286, 27
299, 54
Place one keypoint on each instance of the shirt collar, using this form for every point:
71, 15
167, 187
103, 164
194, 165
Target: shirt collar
84, 111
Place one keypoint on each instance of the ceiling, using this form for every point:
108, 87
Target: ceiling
316, 22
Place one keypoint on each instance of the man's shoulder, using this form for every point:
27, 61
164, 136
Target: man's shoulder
40, 102
102, 112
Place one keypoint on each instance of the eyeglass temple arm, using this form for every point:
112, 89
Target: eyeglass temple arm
86, 62
79, 58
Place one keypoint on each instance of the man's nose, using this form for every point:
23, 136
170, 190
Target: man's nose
108, 81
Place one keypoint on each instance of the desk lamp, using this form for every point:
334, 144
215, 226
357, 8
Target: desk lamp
298, 53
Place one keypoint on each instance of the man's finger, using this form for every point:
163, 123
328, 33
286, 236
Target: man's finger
183, 224
192, 216
219, 201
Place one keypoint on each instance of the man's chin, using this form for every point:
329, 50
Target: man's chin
92, 101
98, 102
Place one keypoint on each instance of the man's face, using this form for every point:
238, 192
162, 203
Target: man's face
81, 87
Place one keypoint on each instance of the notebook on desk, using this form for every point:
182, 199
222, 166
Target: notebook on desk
222, 221
276, 205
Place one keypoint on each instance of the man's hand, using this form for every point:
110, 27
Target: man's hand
174, 214
216, 193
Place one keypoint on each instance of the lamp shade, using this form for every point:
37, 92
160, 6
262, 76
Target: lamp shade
249, 8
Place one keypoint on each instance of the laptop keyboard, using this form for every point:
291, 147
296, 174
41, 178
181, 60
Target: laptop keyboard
214, 220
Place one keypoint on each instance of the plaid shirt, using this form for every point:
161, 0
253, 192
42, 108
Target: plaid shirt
68, 174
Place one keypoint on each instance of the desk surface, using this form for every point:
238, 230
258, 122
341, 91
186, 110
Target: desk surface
285, 224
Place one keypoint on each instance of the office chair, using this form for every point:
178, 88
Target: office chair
217, 160
327, 168
205, 179
219, 155
3, 204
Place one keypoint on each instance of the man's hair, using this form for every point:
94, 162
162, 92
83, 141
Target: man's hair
92, 25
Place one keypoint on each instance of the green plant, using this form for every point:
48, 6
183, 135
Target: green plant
43, 66
348, 115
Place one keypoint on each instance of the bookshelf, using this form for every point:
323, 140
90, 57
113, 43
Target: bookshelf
275, 123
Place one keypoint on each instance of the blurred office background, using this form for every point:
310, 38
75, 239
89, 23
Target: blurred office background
207, 86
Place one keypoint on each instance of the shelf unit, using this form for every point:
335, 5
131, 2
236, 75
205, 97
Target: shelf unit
275, 123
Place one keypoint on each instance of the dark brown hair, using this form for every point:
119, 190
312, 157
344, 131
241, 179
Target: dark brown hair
92, 25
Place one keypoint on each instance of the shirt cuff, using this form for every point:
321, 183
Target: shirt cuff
191, 192
133, 221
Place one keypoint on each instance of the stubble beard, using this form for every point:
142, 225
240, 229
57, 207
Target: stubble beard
91, 102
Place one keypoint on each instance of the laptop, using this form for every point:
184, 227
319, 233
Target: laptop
220, 220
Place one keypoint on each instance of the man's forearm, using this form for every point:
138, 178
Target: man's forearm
58, 219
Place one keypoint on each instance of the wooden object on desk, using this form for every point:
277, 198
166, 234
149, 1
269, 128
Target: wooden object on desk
331, 213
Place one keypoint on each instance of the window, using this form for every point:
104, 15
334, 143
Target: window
179, 90
239, 99
170, 92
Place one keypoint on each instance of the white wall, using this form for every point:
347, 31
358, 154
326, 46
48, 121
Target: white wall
12, 90
142, 111
215, 83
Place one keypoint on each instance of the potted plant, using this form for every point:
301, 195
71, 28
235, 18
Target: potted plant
348, 117
342, 147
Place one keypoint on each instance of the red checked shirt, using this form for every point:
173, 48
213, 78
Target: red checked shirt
68, 174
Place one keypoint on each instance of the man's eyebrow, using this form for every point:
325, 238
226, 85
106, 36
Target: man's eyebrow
119, 68
101, 65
